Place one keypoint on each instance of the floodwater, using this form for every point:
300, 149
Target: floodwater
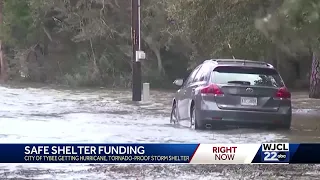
48, 115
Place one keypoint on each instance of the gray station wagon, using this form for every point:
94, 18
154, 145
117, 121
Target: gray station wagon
232, 92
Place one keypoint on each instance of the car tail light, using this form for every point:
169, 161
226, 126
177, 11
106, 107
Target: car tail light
211, 89
283, 93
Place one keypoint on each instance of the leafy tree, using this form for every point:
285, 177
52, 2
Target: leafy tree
85, 42
295, 26
220, 29
155, 28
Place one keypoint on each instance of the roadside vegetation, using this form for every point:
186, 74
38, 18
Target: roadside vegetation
88, 42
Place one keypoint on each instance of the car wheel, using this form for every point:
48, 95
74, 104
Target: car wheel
285, 126
173, 117
193, 120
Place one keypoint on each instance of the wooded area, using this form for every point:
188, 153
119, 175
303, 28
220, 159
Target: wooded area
88, 42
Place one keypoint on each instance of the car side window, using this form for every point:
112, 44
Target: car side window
206, 74
202, 74
192, 76
198, 75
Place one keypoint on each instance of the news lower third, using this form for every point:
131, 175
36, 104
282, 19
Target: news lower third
94, 153
284, 153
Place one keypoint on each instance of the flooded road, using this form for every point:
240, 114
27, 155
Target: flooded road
45, 115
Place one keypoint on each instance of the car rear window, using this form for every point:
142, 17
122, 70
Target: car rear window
246, 76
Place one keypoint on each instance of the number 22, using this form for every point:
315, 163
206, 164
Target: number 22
270, 156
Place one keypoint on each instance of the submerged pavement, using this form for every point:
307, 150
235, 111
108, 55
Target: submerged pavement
46, 115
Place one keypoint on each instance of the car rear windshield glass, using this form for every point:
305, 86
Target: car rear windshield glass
246, 76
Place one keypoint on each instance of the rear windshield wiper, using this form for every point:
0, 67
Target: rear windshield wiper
239, 82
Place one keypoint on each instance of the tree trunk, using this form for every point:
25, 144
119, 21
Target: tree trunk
3, 62
314, 91
160, 66
95, 70
155, 47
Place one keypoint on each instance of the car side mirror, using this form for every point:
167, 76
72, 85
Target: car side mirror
178, 82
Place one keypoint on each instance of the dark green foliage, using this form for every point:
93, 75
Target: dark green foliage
295, 27
82, 42
18, 23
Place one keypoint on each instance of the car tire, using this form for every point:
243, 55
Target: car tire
194, 124
174, 113
286, 126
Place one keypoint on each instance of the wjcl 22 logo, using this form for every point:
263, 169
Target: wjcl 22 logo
275, 152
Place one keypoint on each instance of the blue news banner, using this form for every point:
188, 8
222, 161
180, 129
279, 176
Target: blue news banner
288, 153
145, 153
96, 153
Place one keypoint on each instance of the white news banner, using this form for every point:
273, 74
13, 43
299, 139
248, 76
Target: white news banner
233, 153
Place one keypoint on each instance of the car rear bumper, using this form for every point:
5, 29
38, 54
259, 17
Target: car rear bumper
231, 117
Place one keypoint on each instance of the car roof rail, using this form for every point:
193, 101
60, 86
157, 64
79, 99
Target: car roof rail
244, 62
